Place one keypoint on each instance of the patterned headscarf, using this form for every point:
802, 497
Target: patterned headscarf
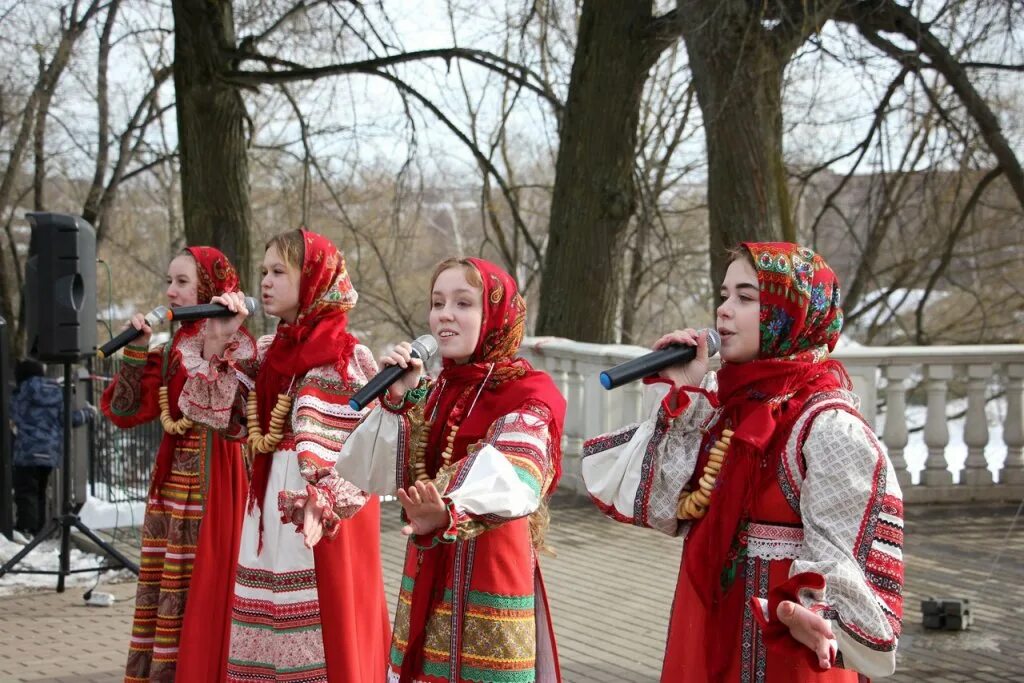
504, 316
215, 272
325, 287
215, 275
800, 313
319, 335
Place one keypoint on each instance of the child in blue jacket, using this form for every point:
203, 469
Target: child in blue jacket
37, 411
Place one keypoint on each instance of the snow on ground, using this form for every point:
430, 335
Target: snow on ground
46, 556
97, 513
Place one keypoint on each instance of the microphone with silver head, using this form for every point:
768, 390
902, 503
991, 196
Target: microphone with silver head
423, 348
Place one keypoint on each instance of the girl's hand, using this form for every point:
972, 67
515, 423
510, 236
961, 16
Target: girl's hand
690, 373
401, 356
138, 321
219, 331
424, 508
809, 629
312, 521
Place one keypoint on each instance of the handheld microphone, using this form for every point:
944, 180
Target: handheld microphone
423, 348
184, 314
651, 363
126, 337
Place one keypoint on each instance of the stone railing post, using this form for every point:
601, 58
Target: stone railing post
1013, 428
895, 435
936, 432
976, 472
575, 427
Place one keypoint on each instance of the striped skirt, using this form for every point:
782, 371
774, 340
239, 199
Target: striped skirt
170, 534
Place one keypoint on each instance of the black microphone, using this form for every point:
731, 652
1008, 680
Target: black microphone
153, 318
655, 361
184, 314
423, 348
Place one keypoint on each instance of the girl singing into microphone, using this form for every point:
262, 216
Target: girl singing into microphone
298, 612
475, 454
190, 530
792, 566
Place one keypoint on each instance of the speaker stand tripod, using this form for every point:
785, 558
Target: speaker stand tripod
67, 520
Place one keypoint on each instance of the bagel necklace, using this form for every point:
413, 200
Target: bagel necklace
694, 504
267, 443
170, 425
419, 452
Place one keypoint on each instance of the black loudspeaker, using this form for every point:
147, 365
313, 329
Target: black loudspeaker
60, 288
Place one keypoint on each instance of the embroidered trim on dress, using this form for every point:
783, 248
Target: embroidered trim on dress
771, 542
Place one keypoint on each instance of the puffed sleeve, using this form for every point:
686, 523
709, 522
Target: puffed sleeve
503, 477
635, 474
216, 389
133, 398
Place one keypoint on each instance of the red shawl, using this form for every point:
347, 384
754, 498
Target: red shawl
800, 320
318, 337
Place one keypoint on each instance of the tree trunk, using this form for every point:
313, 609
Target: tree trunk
594, 194
737, 69
211, 132
635, 278
39, 142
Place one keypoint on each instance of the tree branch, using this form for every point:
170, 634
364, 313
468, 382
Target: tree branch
506, 68
887, 15
947, 251
302, 6
663, 33
992, 65
480, 157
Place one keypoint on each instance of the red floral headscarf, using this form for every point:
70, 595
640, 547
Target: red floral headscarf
215, 275
800, 313
215, 272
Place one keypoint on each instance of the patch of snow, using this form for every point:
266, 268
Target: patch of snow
901, 301
846, 342
98, 513
46, 556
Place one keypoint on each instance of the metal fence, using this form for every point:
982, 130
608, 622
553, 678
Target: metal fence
120, 460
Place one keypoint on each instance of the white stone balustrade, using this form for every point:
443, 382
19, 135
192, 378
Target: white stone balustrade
973, 467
